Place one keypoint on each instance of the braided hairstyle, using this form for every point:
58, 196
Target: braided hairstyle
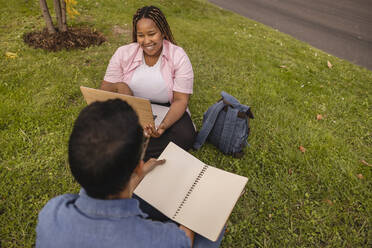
155, 14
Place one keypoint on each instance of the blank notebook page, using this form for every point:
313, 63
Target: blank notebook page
199, 196
211, 202
179, 173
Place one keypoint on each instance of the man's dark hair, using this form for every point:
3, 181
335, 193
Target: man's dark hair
155, 14
105, 147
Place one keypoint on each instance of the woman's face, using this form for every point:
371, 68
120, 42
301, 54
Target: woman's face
149, 37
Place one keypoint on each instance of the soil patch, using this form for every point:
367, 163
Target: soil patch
73, 38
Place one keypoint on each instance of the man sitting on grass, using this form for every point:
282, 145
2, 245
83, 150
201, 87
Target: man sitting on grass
105, 150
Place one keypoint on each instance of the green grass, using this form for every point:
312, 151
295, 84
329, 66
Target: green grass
292, 199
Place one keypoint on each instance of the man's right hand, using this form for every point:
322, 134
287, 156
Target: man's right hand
190, 234
151, 164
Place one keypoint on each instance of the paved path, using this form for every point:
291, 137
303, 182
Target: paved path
340, 27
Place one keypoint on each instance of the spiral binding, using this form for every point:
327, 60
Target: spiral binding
205, 167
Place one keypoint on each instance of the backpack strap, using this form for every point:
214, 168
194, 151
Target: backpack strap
210, 119
230, 99
228, 129
244, 111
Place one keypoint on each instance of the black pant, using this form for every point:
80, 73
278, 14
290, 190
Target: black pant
182, 133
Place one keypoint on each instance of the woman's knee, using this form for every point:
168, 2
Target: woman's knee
183, 133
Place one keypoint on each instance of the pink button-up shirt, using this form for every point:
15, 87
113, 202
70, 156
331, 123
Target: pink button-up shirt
175, 67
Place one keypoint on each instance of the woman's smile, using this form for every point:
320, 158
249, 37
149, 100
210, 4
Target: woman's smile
149, 47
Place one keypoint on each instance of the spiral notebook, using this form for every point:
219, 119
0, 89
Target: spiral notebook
198, 196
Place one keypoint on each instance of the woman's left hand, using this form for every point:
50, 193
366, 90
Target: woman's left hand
155, 133
176, 110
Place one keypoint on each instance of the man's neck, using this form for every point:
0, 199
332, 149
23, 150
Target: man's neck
127, 192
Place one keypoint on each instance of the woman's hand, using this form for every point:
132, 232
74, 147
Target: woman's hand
176, 110
153, 132
119, 87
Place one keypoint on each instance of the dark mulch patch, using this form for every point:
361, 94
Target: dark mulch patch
72, 39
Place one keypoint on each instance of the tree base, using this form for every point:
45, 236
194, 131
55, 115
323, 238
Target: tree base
74, 38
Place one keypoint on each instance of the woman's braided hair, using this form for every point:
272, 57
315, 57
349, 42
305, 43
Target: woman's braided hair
155, 14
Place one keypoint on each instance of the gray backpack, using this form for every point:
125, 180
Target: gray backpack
226, 125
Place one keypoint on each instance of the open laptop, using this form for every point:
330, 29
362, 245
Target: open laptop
147, 113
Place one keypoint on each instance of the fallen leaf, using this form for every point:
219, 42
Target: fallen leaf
319, 117
11, 55
290, 172
365, 163
329, 64
328, 201
302, 149
360, 176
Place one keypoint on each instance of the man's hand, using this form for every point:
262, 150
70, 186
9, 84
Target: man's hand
142, 169
190, 234
151, 164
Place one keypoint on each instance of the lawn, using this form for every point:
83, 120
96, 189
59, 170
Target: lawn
318, 197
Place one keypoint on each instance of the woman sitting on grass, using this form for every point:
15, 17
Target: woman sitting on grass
153, 67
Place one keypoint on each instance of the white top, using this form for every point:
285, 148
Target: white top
147, 82
159, 113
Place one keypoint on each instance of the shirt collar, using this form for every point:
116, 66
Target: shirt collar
119, 208
165, 49
164, 53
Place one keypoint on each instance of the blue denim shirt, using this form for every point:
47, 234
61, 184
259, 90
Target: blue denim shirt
72, 220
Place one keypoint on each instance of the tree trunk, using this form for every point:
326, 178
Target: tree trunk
64, 20
47, 18
57, 9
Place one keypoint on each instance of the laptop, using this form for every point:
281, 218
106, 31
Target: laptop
147, 113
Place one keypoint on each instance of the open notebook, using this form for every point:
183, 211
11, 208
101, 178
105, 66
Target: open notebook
196, 195
147, 113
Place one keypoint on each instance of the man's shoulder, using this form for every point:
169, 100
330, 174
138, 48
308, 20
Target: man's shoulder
132, 229
63, 198
58, 202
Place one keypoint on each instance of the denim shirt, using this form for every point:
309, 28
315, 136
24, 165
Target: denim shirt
80, 221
